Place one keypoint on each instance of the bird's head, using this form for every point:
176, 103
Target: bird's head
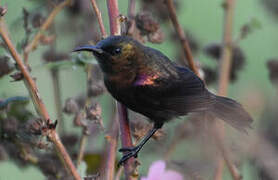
115, 53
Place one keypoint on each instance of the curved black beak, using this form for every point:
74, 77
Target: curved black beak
93, 49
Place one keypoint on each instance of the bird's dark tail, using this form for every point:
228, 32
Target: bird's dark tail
231, 112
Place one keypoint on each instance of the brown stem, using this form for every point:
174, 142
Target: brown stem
34, 43
84, 137
99, 18
182, 36
37, 101
57, 98
111, 149
119, 173
224, 75
82, 147
226, 55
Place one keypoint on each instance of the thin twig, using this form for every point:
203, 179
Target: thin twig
99, 18
111, 149
182, 36
119, 173
57, 98
34, 43
37, 101
85, 134
82, 147
224, 75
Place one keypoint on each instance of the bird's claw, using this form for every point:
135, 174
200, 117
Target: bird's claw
131, 152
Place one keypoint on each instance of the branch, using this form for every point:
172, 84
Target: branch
37, 101
99, 19
182, 36
57, 97
224, 75
82, 147
34, 43
111, 149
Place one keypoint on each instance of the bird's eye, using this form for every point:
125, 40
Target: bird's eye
117, 51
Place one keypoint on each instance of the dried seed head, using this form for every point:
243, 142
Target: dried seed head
78, 119
3, 11
238, 58
158, 8
271, 6
35, 126
6, 66
94, 112
71, 106
10, 127
272, 66
156, 37
81, 100
95, 82
210, 75
18, 76
96, 88
69, 140
145, 23
140, 129
37, 20
49, 165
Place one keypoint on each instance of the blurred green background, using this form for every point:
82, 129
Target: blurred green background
203, 18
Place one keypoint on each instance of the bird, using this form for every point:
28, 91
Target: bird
148, 82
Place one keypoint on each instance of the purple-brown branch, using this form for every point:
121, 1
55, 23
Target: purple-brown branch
37, 101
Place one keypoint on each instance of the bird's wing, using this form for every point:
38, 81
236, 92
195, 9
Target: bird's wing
175, 97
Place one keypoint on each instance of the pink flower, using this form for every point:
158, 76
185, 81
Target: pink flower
158, 171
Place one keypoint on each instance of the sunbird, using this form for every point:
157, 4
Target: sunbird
147, 82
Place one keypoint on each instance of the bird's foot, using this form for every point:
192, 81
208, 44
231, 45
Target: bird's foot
130, 152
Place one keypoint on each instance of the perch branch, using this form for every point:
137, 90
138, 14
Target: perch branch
38, 103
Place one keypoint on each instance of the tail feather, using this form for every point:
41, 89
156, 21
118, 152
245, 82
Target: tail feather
231, 112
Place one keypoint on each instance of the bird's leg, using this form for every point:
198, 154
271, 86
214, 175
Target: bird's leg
133, 151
